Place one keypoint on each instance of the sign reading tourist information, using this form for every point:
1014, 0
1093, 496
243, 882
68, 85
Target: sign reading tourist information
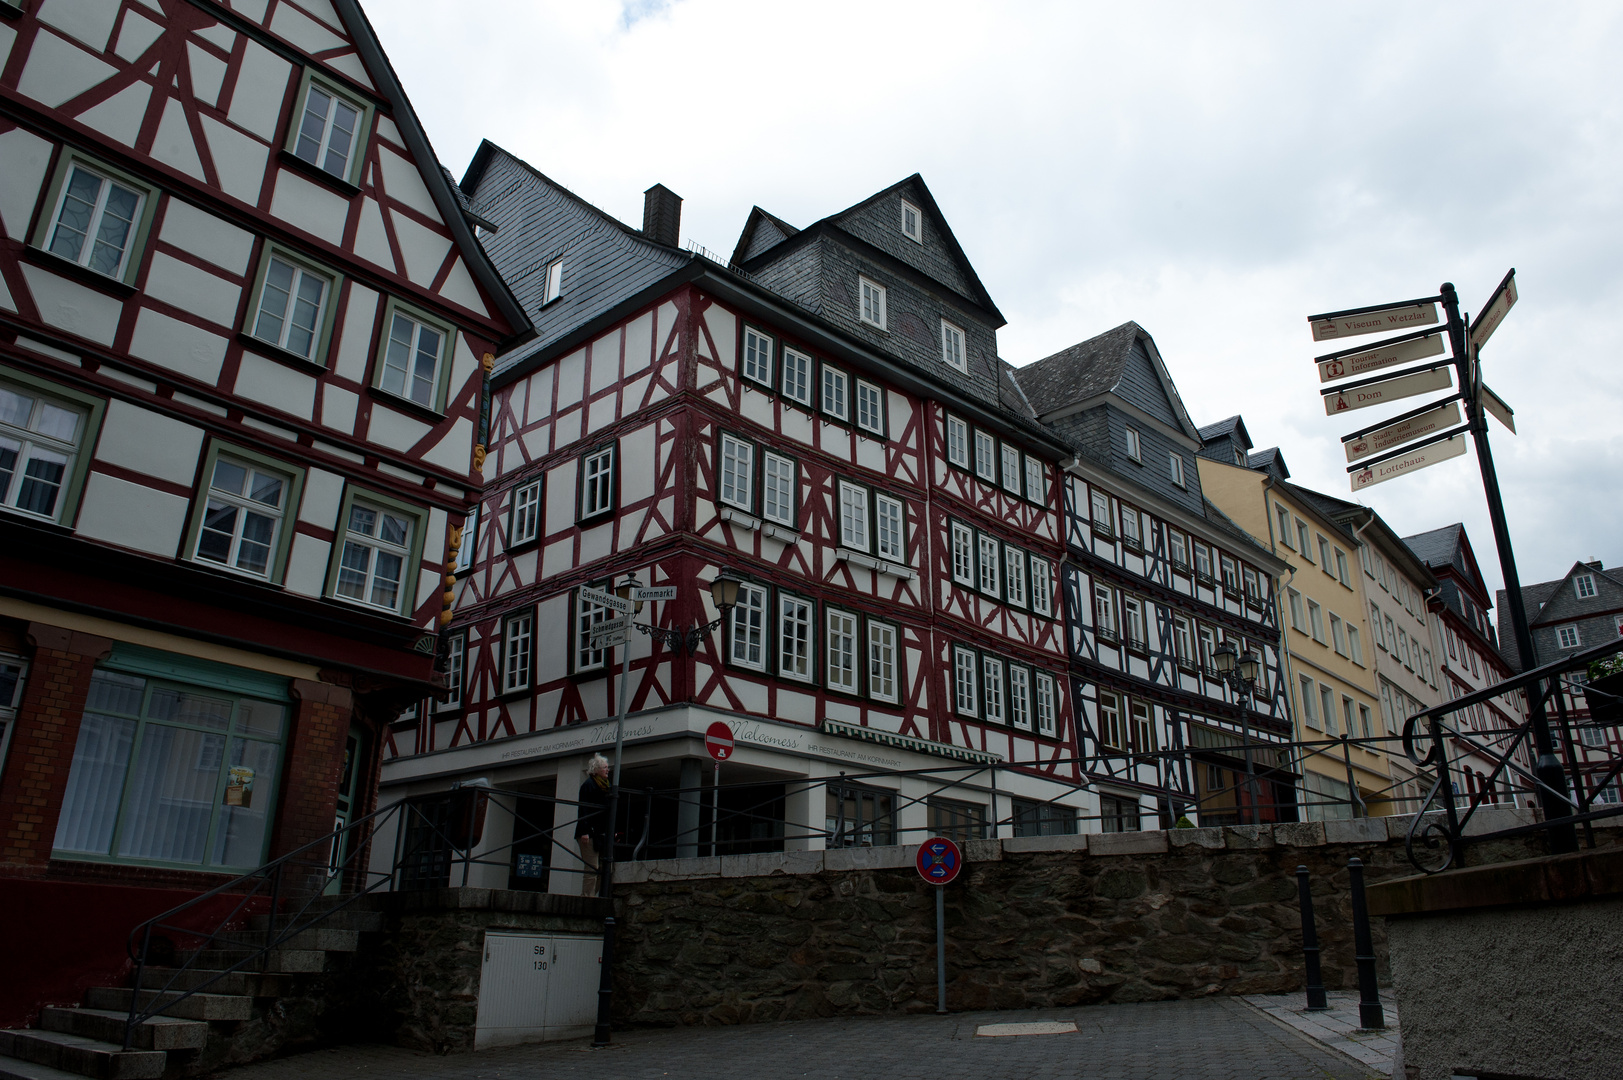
1335, 325
610, 632
1408, 461
1496, 408
1427, 420
939, 860
1488, 320
606, 599
718, 741
1371, 358
645, 593
1379, 392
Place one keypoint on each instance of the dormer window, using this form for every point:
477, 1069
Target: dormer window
1133, 449
555, 282
1175, 468
1239, 457
912, 222
873, 303
1584, 584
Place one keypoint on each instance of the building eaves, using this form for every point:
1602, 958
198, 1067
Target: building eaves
1323, 505
1078, 373
1226, 524
1270, 460
1233, 426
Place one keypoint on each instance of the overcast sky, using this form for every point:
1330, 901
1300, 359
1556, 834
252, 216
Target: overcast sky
1215, 172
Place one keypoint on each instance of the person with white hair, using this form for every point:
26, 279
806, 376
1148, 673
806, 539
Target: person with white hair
592, 821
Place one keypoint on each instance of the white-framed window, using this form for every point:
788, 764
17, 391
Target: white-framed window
746, 628
1403, 650
1042, 587
842, 651
1349, 715
737, 472
1177, 547
872, 310
1203, 561
912, 222
1014, 575
1284, 516
1020, 697
1183, 642
853, 516
1342, 573
242, 521
554, 287
757, 356
411, 359
328, 130
1135, 448
795, 617
39, 444
526, 517
1104, 612
1315, 620
1252, 582
1132, 617
518, 648
1036, 481
1208, 646
888, 527
1310, 711
836, 393
797, 377
468, 549
870, 408
1111, 732
1175, 468
1324, 556
985, 457
1101, 512
1231, 578
1391, 635
952, 346
377, 551
1364, 722
882, 676
1302, 540
965, 684
597, 482
588, 615
957, 442
456, 654
95, 221
1327, 709
1298, 620
1011, 469
1141, 726
963, 554
992, 690
1338, 636
987, 550
1355, 647
778, 486
1568, 636
1047, 711
1130, 527
292, 306
1584, 586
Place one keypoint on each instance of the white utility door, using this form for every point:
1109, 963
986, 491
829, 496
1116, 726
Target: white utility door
529, 993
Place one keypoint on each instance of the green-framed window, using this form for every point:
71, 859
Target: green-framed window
414, 356
377, 552
46, 433
293, 305
96, 216
330, 128
243, 518
177, 763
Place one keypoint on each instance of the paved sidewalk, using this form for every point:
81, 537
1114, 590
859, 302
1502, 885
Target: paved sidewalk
1210, 1039
1338, 1027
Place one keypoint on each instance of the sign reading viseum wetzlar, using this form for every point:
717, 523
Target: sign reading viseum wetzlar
1374, 320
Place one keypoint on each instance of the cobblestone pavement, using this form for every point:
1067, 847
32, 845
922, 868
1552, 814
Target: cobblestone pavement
1337, 1027
1210, 1039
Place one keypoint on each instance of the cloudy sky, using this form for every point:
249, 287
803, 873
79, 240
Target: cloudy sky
1215, 172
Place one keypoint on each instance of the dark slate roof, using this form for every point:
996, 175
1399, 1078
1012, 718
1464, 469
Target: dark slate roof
1083, 371
1269, 460
752, 243
1439, 547
1233, 427
1226, 524
1328, 506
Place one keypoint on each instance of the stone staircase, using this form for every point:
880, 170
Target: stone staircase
240, 1017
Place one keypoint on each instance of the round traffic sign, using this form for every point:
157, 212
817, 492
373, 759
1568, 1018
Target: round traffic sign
939, 860
718, 741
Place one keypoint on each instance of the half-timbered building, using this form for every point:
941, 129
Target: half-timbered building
1156, 580
822, 418
242, 320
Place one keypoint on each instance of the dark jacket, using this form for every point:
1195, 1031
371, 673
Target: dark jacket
592, 818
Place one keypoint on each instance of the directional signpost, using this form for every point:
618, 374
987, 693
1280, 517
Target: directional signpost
1434, 433
938, 862
610, 632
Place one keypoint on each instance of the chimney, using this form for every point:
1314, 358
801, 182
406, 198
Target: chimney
1593, 563
662, 215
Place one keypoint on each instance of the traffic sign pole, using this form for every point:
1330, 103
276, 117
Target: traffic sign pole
940, 948
938, 862
1552, 793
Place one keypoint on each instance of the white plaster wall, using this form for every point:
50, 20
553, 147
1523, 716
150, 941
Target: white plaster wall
307, 565
193, 289
454, 452
276, 385
294, 25
637, 465
24, 158
173, 144
239, 160
571, 371
459, 288
208, 73
395, 430
371, 240
723, 329
137, 33
69, 306
90, 21
323, 494
57, 70
560, 487
262, 82
206, 236
178, 346
423, 249
355, 342
338, 408
316, 210
149, 442
404, 184
120, 116
132, 516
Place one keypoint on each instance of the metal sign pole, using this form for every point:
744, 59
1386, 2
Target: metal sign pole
1552, 793
940, 948
715, 810
605, 867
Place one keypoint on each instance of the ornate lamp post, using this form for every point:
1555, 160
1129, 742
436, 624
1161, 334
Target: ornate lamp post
1241, 673
724, 593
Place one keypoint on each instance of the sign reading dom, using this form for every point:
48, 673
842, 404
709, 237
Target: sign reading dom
939, 860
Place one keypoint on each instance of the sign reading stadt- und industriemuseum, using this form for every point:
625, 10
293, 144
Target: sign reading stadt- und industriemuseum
1415, 425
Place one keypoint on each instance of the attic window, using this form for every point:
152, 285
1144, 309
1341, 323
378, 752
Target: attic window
873, 303
1133, 445
1239, 457
952, 346
555, 282
1175, 467
1585, 586
912, 222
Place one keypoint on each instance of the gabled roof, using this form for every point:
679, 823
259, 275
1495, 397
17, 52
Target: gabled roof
1328, 507
1448, 549
1093, 368
446, 198
1271, 461
760, 221
1233, 427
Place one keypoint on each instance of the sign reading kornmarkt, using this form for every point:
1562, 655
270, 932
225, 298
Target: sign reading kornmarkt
1335, 325
1408, 462
1427, 420
1363, 395
1371, 358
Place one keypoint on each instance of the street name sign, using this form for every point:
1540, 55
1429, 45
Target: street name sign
653, 592
1427, 420
606, 599
1409, 461
718, 741
1379, 392
1335, 325
1496, 407
610, 632
1489, 318
1370, 358
939, 860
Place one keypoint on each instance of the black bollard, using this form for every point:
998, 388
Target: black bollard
1316, 999
1370, 1014
602, 1035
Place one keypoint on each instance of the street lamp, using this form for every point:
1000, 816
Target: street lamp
723, 592
1241, 673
